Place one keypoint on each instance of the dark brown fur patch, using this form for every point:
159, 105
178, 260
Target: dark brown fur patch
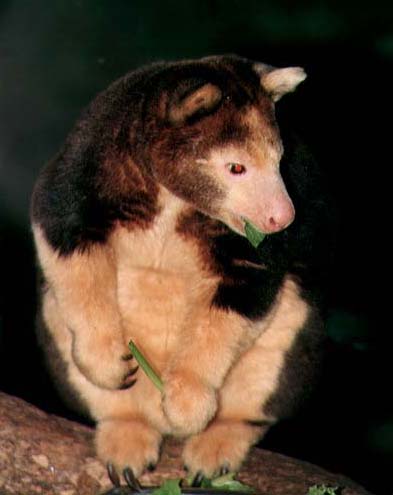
300, 370
204, 231
130, 190
244, 287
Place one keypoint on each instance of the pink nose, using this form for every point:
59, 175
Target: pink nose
281, 219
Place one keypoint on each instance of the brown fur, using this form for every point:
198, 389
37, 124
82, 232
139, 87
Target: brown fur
205, 98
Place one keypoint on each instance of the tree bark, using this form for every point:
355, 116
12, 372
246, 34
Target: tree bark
46, 454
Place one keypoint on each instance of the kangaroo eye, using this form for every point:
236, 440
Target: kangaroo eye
236, 168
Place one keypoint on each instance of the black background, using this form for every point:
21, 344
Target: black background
55, 56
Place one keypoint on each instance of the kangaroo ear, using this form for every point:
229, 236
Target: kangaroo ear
202, 100
278, 82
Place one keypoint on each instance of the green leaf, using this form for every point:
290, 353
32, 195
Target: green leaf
227, 482
223, 480
236, 486
254, 235
145, 365
169, 487
323, 490
206, 483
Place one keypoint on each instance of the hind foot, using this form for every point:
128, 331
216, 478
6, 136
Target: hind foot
127, 445
222, 447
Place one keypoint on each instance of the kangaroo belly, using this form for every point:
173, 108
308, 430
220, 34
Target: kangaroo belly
153, 305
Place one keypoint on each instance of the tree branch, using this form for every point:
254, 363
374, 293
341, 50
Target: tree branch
49, 455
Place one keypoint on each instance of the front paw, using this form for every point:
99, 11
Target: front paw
188, 403
105, 362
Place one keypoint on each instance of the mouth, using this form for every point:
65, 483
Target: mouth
235, 222
241, 225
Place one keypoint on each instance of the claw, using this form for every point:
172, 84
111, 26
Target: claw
131, 480
224, 469
197, 481
127, 385
131, 372
113, 474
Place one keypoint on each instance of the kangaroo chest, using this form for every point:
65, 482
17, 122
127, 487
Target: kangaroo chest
160, 279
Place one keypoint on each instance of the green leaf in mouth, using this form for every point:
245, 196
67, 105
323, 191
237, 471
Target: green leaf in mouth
254, 235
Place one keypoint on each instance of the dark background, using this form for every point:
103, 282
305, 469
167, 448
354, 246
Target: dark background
56, 55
